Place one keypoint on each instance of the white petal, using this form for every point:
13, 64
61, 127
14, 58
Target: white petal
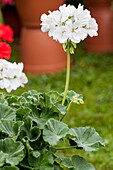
43, 17
92, 28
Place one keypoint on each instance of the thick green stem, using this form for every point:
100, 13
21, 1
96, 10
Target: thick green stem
67, 75
68, 147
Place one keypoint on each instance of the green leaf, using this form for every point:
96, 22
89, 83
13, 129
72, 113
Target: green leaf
11, 128
87, 138
33, 113
6, 112
13, 151
36, 154
46, 114
81, 164
45, 101
2, 158
28, 131
66, 162
54, 130
41, 115
55, 97
29, 93
11, 99
35, 98
61, 109
22, 112
43, 162
10, 168
31, 150
33, 110
43, 111
30, 97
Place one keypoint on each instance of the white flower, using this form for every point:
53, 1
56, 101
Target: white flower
11, 75
69, 24
92, 27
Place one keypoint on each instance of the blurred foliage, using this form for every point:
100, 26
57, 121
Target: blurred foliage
92, 76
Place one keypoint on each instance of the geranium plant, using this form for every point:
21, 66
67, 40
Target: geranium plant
31, 127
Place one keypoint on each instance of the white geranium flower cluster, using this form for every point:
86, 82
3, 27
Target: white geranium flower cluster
11, 75
69, 24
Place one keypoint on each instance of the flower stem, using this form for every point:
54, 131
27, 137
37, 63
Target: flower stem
67, 75
68, 147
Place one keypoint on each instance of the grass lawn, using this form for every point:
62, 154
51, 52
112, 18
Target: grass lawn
92, 76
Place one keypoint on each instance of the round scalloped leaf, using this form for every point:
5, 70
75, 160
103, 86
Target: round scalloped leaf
54, 130
6, 112
45, 101
13, 151
55, 96
81, 164
11, 128
22, 112
87, 138
66, 162
28, 131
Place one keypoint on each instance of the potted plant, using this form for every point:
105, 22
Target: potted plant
31, 125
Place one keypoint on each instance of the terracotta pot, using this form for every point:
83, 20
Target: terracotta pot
40, 53
104, 17
31, 10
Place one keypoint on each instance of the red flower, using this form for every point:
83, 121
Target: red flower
5, 50
6, 33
